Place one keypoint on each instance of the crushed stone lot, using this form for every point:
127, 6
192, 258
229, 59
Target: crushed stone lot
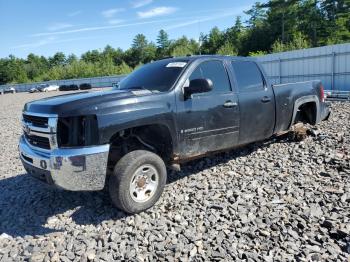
276, 200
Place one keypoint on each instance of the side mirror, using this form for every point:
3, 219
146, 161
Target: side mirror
200, 85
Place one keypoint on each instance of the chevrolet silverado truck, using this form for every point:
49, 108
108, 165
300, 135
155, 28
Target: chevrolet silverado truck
163, 114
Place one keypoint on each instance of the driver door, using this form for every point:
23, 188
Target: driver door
208, 121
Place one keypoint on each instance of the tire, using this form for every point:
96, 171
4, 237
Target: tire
128, 188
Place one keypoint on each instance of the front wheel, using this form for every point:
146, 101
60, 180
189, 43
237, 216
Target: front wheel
138, 181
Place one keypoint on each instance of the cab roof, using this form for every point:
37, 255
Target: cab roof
191, 58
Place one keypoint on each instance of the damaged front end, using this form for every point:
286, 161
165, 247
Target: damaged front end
77, 131
64, 151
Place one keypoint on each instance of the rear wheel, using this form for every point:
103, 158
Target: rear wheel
138, 181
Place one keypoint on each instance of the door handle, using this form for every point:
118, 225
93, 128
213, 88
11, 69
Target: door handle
265, 99
230, 104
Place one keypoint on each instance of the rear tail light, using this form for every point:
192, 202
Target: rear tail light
322, 96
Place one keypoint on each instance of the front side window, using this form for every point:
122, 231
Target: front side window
215, 71
158, 76
248, 76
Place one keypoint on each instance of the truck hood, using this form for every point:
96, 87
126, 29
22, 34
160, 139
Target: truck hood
83, 102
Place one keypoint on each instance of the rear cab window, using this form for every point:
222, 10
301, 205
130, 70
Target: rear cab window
248, 75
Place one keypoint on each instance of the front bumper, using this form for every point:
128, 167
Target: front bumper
75, 169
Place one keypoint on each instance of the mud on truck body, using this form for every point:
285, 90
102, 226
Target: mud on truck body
163, 114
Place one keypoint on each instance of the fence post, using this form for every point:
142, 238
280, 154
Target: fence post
333, 71
279, 70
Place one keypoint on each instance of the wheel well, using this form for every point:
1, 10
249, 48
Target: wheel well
307, 113
155, 138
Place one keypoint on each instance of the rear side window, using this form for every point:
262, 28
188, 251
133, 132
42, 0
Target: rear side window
248, 76
215, 71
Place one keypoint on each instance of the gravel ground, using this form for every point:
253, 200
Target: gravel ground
275, 200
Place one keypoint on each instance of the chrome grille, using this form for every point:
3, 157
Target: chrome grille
40, 130
36, 120
42, 142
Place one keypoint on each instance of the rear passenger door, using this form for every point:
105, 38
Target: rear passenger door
209, 121
256, 102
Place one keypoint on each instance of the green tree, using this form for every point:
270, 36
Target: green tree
106, 67
163, 41
123, 69
342, 32
299, 41
12, 70
91, 56
227, 49
257, 15
71, 59
311, 21
140, 52
257, 38
139, 42
116, 54
213, 41
337, 17
35, 66
108, 51
183, 46
58, 59
163, 44
257, 53
234, 34
282, 16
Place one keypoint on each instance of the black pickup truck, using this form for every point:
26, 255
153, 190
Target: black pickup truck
163, 114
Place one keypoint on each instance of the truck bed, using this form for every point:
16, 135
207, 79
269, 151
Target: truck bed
286, 95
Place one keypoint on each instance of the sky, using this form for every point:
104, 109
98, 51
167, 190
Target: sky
76, 26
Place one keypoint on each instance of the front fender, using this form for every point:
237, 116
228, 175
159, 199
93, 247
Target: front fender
150, 111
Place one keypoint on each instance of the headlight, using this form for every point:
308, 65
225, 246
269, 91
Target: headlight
77, 131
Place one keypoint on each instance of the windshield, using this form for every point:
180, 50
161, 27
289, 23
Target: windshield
157, 76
